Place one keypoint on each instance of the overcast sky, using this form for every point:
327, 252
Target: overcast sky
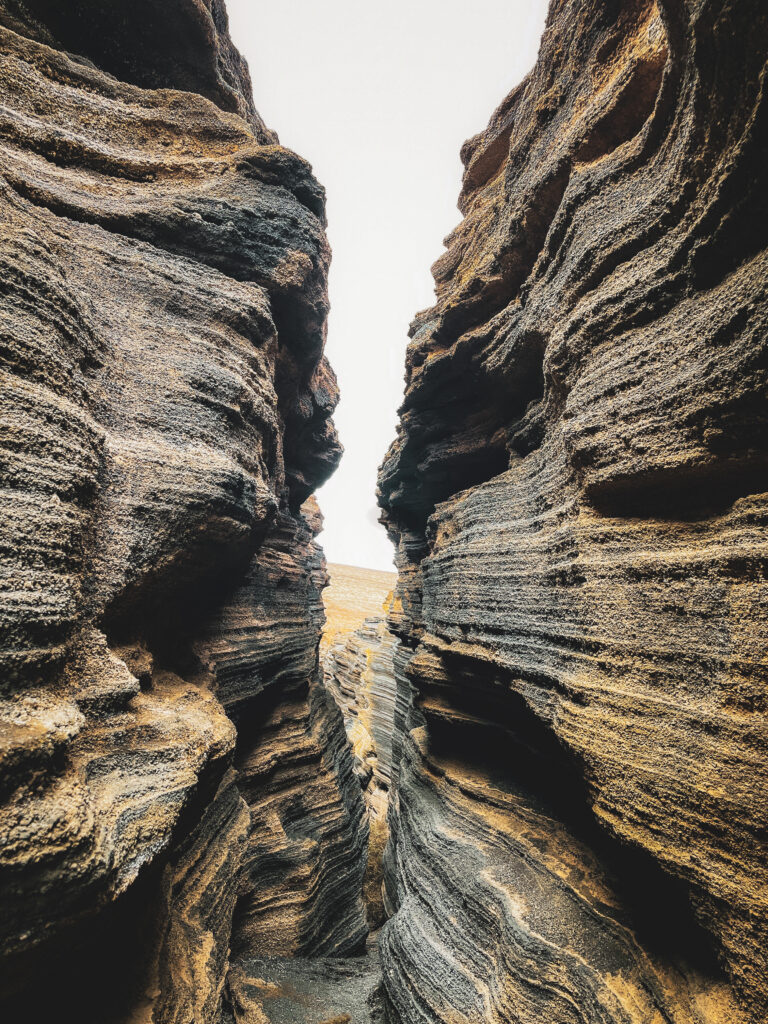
379, 98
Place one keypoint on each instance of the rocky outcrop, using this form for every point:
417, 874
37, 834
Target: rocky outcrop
577, 492
404, 698
183, 45
304, 863
169, 762
353, 595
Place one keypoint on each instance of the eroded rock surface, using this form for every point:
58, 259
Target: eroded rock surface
169, 761
577, 492
353, 595
360, 674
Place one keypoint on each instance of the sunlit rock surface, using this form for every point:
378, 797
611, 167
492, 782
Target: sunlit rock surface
359, 670
578, 494
165, 417
353, 595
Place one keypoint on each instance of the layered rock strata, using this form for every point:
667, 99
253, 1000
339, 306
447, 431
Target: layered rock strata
169, 762
577, 492
353, 595
304, 862
360, 675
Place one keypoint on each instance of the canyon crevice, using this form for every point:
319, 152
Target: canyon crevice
558, 726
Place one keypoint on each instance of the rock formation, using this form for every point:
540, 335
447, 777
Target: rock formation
567, 711
169, 760
360, 674
578, 496
302, 991
353, 595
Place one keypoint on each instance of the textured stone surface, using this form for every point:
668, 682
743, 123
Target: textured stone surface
181, 45
404, 695
360, 674
305, 861
165, 417
577, 493
301, 887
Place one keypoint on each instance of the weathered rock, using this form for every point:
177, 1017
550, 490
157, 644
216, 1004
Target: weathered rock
301, 887
165, 415
359, 673
577, 491
404, 694
181, 45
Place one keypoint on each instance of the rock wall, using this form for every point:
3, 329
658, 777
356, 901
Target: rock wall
578, 495
169, 762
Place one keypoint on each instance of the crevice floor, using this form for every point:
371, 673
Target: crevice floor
330, 990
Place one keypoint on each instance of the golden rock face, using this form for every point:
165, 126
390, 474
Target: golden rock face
578, 493
569, 736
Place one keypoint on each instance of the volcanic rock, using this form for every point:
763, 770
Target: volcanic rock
324, 990
578, 495
360, 674
165, 418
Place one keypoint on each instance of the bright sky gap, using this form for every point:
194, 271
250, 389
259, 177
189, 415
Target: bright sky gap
379, 98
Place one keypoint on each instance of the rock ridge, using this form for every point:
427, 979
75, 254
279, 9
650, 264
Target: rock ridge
360, 675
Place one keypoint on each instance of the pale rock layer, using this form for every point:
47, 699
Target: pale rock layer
359, 673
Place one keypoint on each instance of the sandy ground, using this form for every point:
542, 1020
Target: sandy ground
344, 990
352, 596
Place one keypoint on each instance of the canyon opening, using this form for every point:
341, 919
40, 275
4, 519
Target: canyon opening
503, 758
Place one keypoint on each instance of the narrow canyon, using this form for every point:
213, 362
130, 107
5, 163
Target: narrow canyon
525, 780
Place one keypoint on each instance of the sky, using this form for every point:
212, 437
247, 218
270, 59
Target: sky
379, 98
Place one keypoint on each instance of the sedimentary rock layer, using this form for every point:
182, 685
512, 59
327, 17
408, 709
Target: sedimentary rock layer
165, 417
303, 866
578, 494
360, 674
180, 45
299, 991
